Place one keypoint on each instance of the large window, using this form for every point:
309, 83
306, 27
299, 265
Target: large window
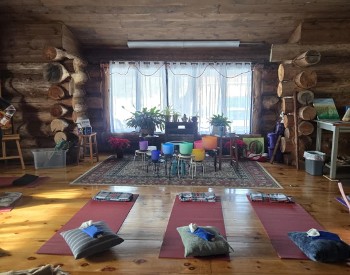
200, 89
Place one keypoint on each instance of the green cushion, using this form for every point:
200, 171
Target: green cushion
82, 245
196, 246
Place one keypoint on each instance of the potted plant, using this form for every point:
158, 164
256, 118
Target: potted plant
219, 124
168, 111
119, 145
176, 116
147, 120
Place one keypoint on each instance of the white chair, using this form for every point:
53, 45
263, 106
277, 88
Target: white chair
198, 156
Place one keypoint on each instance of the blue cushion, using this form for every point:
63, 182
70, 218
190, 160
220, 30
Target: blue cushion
321, 250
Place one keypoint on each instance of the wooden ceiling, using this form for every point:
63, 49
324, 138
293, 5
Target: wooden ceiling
109, 24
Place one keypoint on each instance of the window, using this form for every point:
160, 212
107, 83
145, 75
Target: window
200, 89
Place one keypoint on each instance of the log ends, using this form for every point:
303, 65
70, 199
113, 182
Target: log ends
308, 58
55, 72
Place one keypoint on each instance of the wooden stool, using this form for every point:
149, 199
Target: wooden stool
88, 143
16, 138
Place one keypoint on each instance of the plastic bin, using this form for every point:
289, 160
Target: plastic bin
49, 158
314, 161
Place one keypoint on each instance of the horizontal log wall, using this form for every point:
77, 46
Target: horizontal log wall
331, 40
22, 81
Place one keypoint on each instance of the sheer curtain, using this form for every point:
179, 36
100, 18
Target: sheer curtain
134, 85
200, 89
204, 89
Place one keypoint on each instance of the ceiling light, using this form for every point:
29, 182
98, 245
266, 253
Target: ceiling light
183, 44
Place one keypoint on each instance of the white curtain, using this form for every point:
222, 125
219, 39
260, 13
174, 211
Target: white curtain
134, 85
201, 89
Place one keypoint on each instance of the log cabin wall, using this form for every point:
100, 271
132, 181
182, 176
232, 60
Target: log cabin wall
331, 40
22, 65
266, 104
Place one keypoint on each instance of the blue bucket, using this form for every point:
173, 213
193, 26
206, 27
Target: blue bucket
168, 148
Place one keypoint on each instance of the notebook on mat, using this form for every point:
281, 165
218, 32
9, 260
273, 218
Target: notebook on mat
199, 196
105, 195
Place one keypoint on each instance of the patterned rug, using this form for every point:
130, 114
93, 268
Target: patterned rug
125, 171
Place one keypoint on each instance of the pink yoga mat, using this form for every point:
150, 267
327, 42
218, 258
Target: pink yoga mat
113, 213
278, 219
184, 213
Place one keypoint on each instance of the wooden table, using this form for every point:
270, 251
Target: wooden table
336, 127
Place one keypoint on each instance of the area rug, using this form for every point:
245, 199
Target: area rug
278, 219
112, 213
184, 213
125, 171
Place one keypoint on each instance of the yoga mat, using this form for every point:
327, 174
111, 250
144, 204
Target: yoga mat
184, 213
7, 182
278, 219
113, 213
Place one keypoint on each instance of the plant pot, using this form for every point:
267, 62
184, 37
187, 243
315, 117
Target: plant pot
119, 153
219, 130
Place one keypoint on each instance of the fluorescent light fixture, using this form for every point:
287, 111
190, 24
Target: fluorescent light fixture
183, 44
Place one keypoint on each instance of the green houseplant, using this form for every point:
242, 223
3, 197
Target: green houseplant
147, 120
219, 124
168, 112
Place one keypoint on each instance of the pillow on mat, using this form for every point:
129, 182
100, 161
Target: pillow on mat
321, 250
82, 245
196, 246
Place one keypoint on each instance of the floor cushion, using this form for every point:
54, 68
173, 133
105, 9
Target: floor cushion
83, 245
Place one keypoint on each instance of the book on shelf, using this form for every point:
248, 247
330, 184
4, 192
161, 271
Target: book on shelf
9, 198
197, 196
105, 195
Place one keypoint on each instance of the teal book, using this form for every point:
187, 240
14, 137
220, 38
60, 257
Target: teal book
325, 109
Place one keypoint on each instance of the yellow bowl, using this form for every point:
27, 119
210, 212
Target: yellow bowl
198, 154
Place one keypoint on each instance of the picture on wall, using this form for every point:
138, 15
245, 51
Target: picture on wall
325, 108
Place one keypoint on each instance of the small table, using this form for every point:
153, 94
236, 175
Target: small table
336, 127
144, 156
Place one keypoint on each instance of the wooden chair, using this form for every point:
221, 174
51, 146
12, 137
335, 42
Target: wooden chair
12, 138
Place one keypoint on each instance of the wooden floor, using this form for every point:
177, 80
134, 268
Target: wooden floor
47, 207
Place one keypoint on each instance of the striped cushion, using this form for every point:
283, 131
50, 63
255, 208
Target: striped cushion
82, 245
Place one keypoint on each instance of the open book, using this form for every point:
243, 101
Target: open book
105, 195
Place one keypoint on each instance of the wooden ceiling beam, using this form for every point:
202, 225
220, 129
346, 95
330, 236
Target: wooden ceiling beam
248, 54
288, 51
